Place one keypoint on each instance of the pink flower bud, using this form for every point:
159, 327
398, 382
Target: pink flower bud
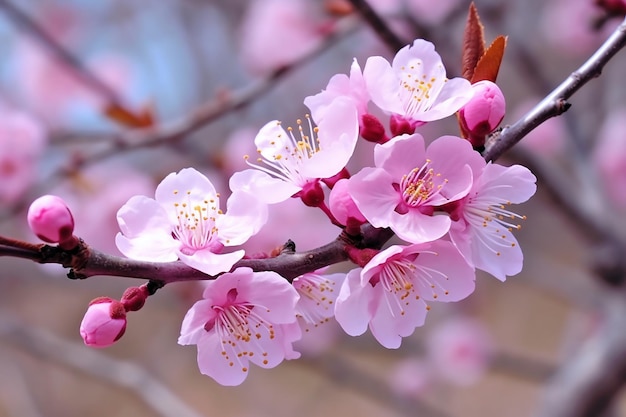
104, 322
483, 113
372, 129
134, 298
343, 207
51, 220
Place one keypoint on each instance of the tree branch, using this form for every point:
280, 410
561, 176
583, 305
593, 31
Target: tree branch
378, 25
556, 102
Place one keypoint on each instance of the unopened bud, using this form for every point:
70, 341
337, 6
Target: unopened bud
343, 207
134, 298
372, 130
104, 322
312, 194
52, 221
483, 113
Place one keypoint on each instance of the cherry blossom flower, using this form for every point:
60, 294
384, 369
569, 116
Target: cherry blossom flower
318, 294
483, 223
391, 292
293, 162
185, 222
22, 142
414, 88
244, 317
409, 181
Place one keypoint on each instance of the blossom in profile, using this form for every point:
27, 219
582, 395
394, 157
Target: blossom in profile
243, 317
414, 88
184, 221
22, 143
318, 293
291, 161
104, 322
483, 223
391, 293
410, 181
351, 87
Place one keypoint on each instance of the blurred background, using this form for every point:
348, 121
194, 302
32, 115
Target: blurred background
81, 80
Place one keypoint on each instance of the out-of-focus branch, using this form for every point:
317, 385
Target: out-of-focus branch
43, 344
378, 25
586, 385
73, 64
556, 102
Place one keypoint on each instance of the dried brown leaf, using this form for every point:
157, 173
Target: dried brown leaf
489, 64
473, 42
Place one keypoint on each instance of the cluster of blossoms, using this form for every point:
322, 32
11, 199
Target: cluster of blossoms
448, 208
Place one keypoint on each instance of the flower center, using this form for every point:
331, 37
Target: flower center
240, 330
418, 90
283, 155
419, 186
196, 218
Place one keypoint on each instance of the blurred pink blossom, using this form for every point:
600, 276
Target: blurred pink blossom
410, 377
275, 33
459, 350
22, 143
391, 293
548, 139
609, 156
244, 317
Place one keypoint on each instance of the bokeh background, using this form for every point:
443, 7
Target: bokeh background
181, 60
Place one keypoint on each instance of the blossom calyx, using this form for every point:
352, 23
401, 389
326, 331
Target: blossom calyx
483, 113
104, 322
51, 220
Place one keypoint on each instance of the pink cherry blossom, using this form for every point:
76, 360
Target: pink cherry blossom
318, 294
391, 292
342, 206
185, 222
275, 33
483, 223
340, 85
294, 160
22, 142
104, 322
410, 181
459, 350
244, 317
51, 220
414, 87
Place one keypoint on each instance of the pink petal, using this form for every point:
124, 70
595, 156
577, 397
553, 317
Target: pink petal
266, 188
354, 308
400, 155
245, 215
227, 369
211, 263
373, 193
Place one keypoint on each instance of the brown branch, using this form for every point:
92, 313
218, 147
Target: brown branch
556, 102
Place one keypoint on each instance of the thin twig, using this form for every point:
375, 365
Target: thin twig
378, 25
556, 102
